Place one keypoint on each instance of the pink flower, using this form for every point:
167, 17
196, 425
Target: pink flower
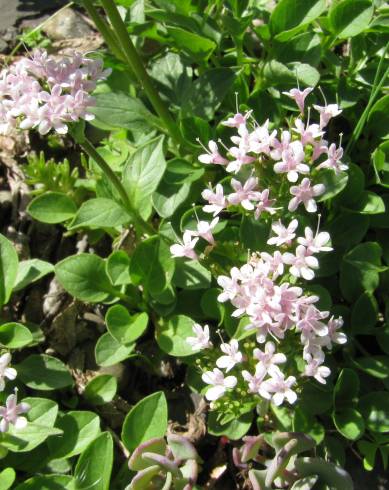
315, 369
232, 355
310, 323
201, 340
301, 263
291, 162
230, 285
284, 234
217, 201
260, 140
305, 194
240, 158
333, 160
308, 133
280, 146
212, 156
204, 230
5, 370
299, 96
185, 249
244, 194
237, 120
278, 388
334, 336
264, 204
319, 147
10, 413
255, 380
269, 356
219, 383
315, 244
327, 112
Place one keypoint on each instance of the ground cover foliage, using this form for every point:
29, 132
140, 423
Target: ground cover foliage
213, 313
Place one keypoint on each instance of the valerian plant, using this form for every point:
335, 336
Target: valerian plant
219, 176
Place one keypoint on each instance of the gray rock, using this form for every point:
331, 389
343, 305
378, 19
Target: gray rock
65, 25
13, 11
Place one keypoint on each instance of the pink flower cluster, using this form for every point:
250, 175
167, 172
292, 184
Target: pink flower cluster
45, 93
266, 290
10, 413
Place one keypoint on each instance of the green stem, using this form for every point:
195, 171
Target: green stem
90, 150
135, 62
104, 29
373, 95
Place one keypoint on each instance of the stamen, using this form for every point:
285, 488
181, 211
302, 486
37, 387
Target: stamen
340, 139
236, 103
318, 224
203, 146
223, 145
322, 93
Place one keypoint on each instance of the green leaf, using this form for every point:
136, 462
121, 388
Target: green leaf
8, 269
14, 335
333, 183
123, 327
359, 270
99, 213
234, 430
52, 207
208, 92
168, 197
348, 18
346, 389
290, 16
348, 229
254, 233
101, 389
278, 74
378, 119
7, 477
84, 277
80, 429
48, 482
191, 275
307, 423
364, 314
146, 420
108, 351
43, 372
152, 265
369, 203
171, 335
198, 47
382, 336
376, 366
30, 271
349, 423
374, 407
142, 174
117, 110
41, 417
118, 268
94, 466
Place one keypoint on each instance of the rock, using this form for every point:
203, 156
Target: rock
65, 25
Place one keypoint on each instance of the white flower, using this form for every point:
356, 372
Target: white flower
284, 235
291, 162
315, 244
204, 230
186, 249
305, 194
5, 371
219, 383
233, 355
334, 336
201, 340
269, 357
333, 160
278, 387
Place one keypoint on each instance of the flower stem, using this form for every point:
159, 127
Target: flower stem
135, 63
104, 29
90, 150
